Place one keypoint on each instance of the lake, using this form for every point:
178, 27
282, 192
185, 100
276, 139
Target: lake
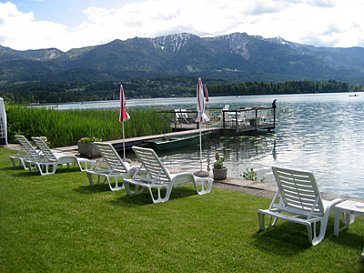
323, 133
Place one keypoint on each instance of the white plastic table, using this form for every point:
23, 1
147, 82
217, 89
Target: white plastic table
350, 209
206, 184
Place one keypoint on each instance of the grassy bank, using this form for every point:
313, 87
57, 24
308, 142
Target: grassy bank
64, 128
59, 224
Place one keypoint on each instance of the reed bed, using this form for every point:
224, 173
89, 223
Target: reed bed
64, 128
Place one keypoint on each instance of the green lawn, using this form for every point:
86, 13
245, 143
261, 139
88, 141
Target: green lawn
59, 224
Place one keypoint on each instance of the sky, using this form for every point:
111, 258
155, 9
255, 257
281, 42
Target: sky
66, 24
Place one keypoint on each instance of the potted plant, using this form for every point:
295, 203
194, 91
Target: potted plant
251, 175
86, 147
219, 170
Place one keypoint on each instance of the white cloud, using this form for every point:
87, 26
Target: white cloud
22, 31
316, 22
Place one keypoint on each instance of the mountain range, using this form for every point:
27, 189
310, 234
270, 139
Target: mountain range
231, 58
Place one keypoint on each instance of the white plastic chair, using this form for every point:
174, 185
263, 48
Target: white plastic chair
154, 176
242, 118
298, 200
111, 168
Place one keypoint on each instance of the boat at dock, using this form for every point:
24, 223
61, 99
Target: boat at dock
175, 142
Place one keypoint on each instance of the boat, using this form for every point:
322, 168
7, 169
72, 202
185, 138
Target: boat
175, 142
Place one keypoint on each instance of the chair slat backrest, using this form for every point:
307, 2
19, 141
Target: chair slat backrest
26, 146
299, 191
152, 164
46, 151
112, 158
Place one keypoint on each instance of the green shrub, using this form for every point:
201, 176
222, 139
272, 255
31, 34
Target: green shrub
89, 139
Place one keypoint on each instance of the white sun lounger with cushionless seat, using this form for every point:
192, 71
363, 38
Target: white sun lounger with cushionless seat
111, 168
155, 177
26, 152
49, 161
298, 200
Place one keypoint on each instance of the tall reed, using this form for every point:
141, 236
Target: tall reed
64, 128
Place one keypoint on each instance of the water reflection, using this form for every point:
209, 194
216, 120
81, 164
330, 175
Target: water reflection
240, 152
322, 133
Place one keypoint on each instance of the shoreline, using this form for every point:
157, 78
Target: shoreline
235, 184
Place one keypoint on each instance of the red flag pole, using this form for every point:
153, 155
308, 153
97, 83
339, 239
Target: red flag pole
201, 116
123, 140
123, 116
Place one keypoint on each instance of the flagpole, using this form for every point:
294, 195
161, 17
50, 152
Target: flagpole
201, 116
123, 116
199, 125
123, 141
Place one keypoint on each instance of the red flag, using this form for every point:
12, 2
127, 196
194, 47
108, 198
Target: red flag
201, 116
123, 116
206, 92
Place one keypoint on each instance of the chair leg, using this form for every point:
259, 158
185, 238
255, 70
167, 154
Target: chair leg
14, 160
272, 221
261, 221
317, 239
133, 189
31, 166
159, 198
323, 225
117, 180
309, 232
47, 168
90, 179
25, 165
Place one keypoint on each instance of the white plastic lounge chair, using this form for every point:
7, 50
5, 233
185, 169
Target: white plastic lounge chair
49, 161
188, 117
251, 117
299, 202
224, 114
262, 115
111, 167
183, 117
26, 152
154, 176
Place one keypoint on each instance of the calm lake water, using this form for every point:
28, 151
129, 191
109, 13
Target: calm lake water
323, 133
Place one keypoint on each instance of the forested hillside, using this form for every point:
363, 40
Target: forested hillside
234, 64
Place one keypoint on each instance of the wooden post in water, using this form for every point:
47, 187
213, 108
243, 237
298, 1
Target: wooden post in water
223, 119
274, 112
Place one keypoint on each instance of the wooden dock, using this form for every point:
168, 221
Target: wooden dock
140, 141
223, 122
229, 120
